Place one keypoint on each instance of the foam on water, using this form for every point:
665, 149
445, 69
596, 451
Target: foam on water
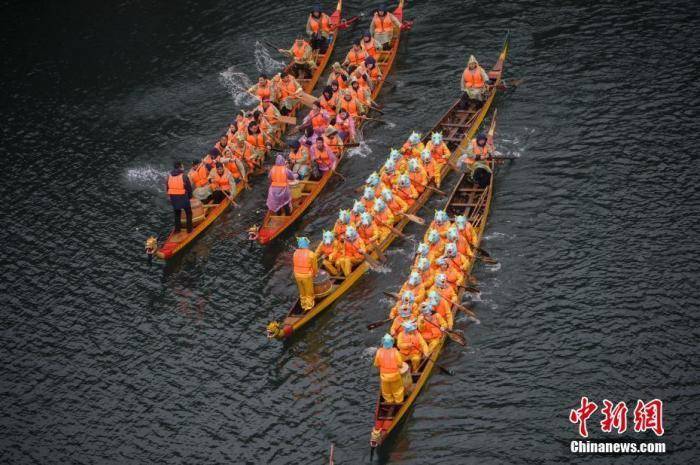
237, 84
146, 175
264, 62
362, 150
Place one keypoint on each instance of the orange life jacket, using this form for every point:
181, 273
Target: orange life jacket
356, 57
382, 219
430, 331
221, 180
329, 105
327, 249
176, 185
199, 177
263, 92
298, 155
473, 78
324, 25
350, 107
388, 360
439, 153
418, 180
298, 51
278, 176
382, 24
410, 343
366, 232
478, 150
319, 121
335, 144
370, 49
352, 249
323, 158
406, 194
288, 88
256, 140
303, 266
339, 229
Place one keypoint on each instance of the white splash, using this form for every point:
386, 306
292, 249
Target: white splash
264, 62
362, 150
237, 84
389, 124
145, 174
493, 268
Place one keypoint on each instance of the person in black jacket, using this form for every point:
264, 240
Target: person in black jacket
179, 190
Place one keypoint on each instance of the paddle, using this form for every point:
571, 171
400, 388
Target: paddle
395, 231
372, 263
466, 311
345, 23
230, 198
442, 368
377, 324
346, 146
434, 189
454, 335
287, 119
343, 178
368, 118
414, 218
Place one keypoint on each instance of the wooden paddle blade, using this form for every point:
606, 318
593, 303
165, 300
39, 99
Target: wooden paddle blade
377, 324
457, 337
307, 100
472, 289
372, 263
487, 260
414, 218
391, 294
483, 252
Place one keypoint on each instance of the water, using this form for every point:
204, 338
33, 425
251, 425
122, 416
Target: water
595, 228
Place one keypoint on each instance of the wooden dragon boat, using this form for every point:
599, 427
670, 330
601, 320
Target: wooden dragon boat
176, 242
467, 198
458, 127
274, 225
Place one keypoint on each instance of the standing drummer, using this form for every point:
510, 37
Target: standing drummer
305, 270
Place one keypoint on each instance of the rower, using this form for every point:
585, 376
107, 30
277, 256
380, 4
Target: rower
463, 246
435, 245
341, 224
389, 175
346, 126
279, 197
303, 56
414, 284
199, 179
431, 325
417, 175
423, 267
305, 270
441, 307
382, 27
332, 141
474, 81
369, 45
389, 361
412, 345
222, 183
368, 197
356, 56
406, 191
318, 118
258, 144
401, 312
456, 259
373, 71
432, 170
349, 103
300, 158
221, 143
373, 181
290, 93
327, 252
244, 151
323, 156
479, 149
262, 89
179, 190
394, 202
439, 152
328, 101
399, 160
352, 251
413, 146
334, 76
454, 275
367, 230
383, 218
466, 229
358, 208
272, 115
362, 95
318, 28
441, 223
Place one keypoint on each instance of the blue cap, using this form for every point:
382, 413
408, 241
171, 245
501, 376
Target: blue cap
303, 242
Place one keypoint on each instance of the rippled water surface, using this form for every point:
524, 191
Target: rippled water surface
595, 226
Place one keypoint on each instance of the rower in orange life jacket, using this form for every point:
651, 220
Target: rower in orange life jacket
356, 56
389, 361
361, 96
474, 81
263, 89
406, 190
303, 58
345, 125
441, 305
318, 28
305, 269
441, 224
373, 70
279, 196
328, 101
466, 229
222, 183
417, 175
198, 174
323, 156
382, 27
257, 142
179, 191
290, 92
349, 104
317, 118
383, 218
332, 141
369, 45
352, 251
336, 71
430, 325
327, 252
479, 150
412, 345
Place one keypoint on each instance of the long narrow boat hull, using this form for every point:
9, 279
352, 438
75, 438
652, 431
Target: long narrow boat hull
177, 242
458, 127
274, 225
473, 201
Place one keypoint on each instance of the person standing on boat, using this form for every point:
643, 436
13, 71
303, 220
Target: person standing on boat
389, 361
279, 197
474, 82
318, 28
179, 190
305, 270
382, 27
303, 56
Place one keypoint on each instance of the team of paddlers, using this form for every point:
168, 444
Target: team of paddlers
329, 126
